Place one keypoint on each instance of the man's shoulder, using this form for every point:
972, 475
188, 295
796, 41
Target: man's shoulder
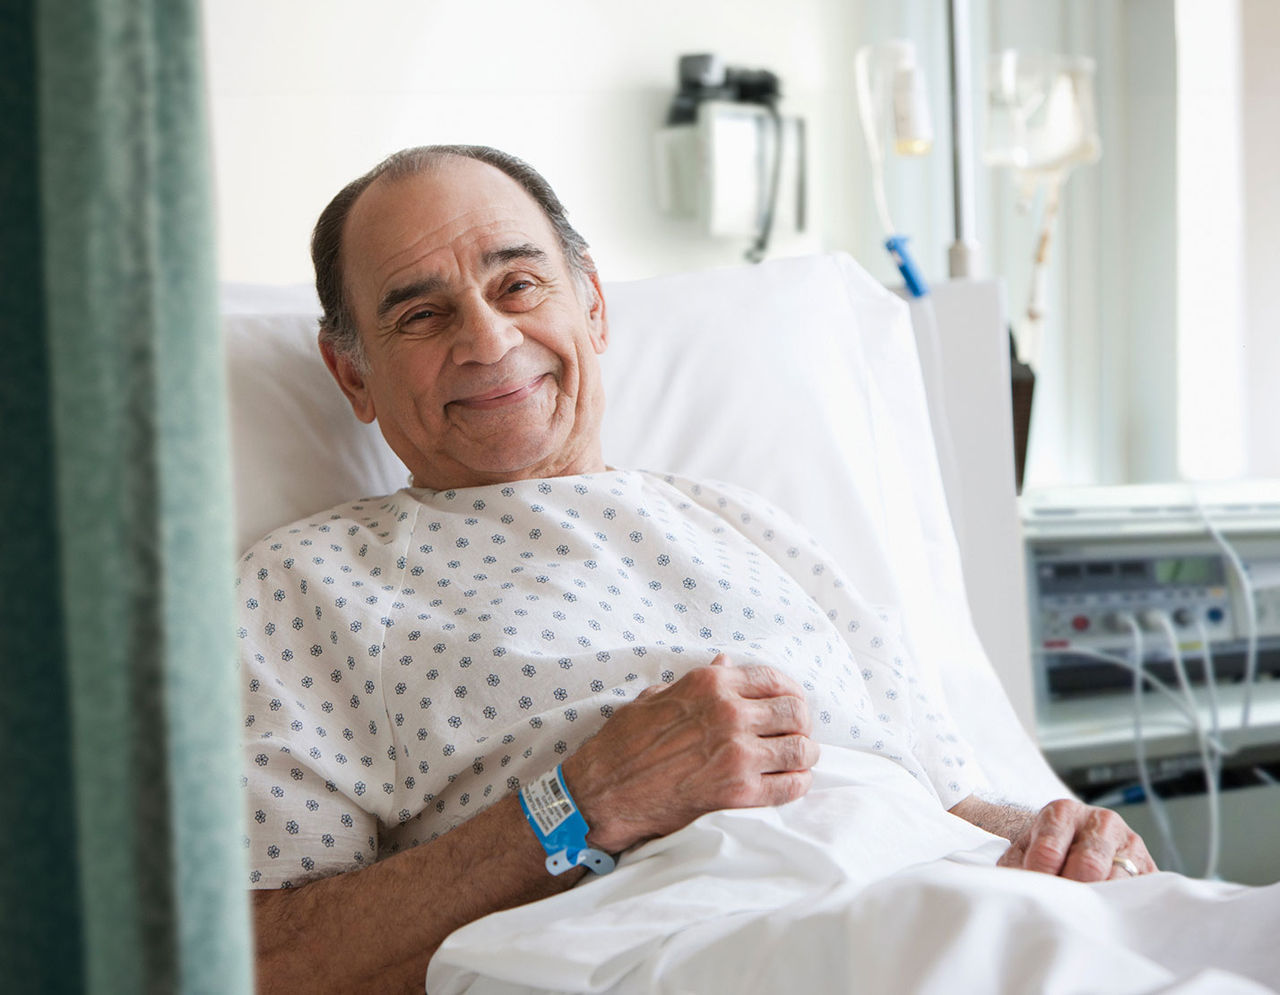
374, 520
722, 497
754, 516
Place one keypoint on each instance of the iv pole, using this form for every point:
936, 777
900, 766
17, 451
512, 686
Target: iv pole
964, 256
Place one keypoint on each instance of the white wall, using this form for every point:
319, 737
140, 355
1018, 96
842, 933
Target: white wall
306, 96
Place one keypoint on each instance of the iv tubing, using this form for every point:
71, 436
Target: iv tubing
1154, 802
875, 150
1037, 306
1165, 623
1251, 609
1151, 680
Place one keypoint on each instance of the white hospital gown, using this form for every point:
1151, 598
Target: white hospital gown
410, 660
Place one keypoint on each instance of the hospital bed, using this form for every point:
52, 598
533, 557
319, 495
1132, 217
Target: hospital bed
804, 380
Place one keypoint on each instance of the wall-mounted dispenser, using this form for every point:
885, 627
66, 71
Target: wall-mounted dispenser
728, 157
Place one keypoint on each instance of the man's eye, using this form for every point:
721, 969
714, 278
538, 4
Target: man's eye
518, 286
422, 314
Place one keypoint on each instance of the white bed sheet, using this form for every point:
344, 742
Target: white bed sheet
862, 886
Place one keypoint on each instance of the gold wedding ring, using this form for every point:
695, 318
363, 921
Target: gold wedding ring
1126, 865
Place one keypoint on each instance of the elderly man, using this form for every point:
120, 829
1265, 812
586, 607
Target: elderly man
443, 683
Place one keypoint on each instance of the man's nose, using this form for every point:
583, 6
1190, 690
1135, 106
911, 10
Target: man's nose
486, 335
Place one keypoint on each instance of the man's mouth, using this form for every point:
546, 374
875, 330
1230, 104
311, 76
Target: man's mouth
502, 396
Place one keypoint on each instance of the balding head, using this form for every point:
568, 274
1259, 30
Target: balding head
478, 342
337, 325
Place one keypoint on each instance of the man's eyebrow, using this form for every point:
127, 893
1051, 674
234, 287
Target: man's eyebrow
431, 284
496, 257
398, 295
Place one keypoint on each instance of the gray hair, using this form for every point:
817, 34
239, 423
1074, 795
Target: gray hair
337, 324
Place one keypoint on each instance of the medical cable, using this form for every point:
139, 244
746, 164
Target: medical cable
1220, 749
1163, 621
1251, 613
1155, 804
1151, 680
1211, 685
1215, 734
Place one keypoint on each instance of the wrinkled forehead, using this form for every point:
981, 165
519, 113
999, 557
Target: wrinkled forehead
446, 216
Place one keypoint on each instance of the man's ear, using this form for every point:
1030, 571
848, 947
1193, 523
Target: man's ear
350, 379
596, 313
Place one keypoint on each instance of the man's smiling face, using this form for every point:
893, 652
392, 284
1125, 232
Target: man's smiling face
481, 342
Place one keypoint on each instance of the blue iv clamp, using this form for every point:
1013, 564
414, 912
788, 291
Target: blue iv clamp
897, 246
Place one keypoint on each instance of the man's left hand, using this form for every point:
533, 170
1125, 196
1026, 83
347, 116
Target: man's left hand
1081, 842
1066, 838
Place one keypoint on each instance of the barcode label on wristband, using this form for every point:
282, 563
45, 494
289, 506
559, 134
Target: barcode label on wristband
547, 804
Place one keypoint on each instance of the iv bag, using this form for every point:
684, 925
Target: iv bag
1040, 113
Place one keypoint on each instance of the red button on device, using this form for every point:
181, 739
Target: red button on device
1080, 623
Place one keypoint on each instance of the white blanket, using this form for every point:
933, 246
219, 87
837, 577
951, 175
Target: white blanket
865, 885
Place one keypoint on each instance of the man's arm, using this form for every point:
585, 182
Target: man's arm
721, 737
1065, 838
375, 929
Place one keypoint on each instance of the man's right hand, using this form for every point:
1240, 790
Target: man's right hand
721, 737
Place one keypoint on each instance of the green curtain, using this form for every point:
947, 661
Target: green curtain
120, 831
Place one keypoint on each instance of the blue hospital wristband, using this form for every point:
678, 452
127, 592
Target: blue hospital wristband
559, 825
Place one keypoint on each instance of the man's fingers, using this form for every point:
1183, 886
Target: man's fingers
1050, 839
722, 736
650, 691
788, 753
1139, 855
754, 680
1119, 871
1079, 842
780, 716
1015, 856
1099, 836
1131, 859
785, 786
1089, 859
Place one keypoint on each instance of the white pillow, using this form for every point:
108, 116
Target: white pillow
296, 446
798, 378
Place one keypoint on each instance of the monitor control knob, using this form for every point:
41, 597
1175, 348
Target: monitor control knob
1183, 616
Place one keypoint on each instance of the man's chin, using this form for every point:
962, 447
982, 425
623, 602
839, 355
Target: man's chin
492, 465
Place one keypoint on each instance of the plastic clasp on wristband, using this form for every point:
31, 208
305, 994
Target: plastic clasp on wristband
559, 825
